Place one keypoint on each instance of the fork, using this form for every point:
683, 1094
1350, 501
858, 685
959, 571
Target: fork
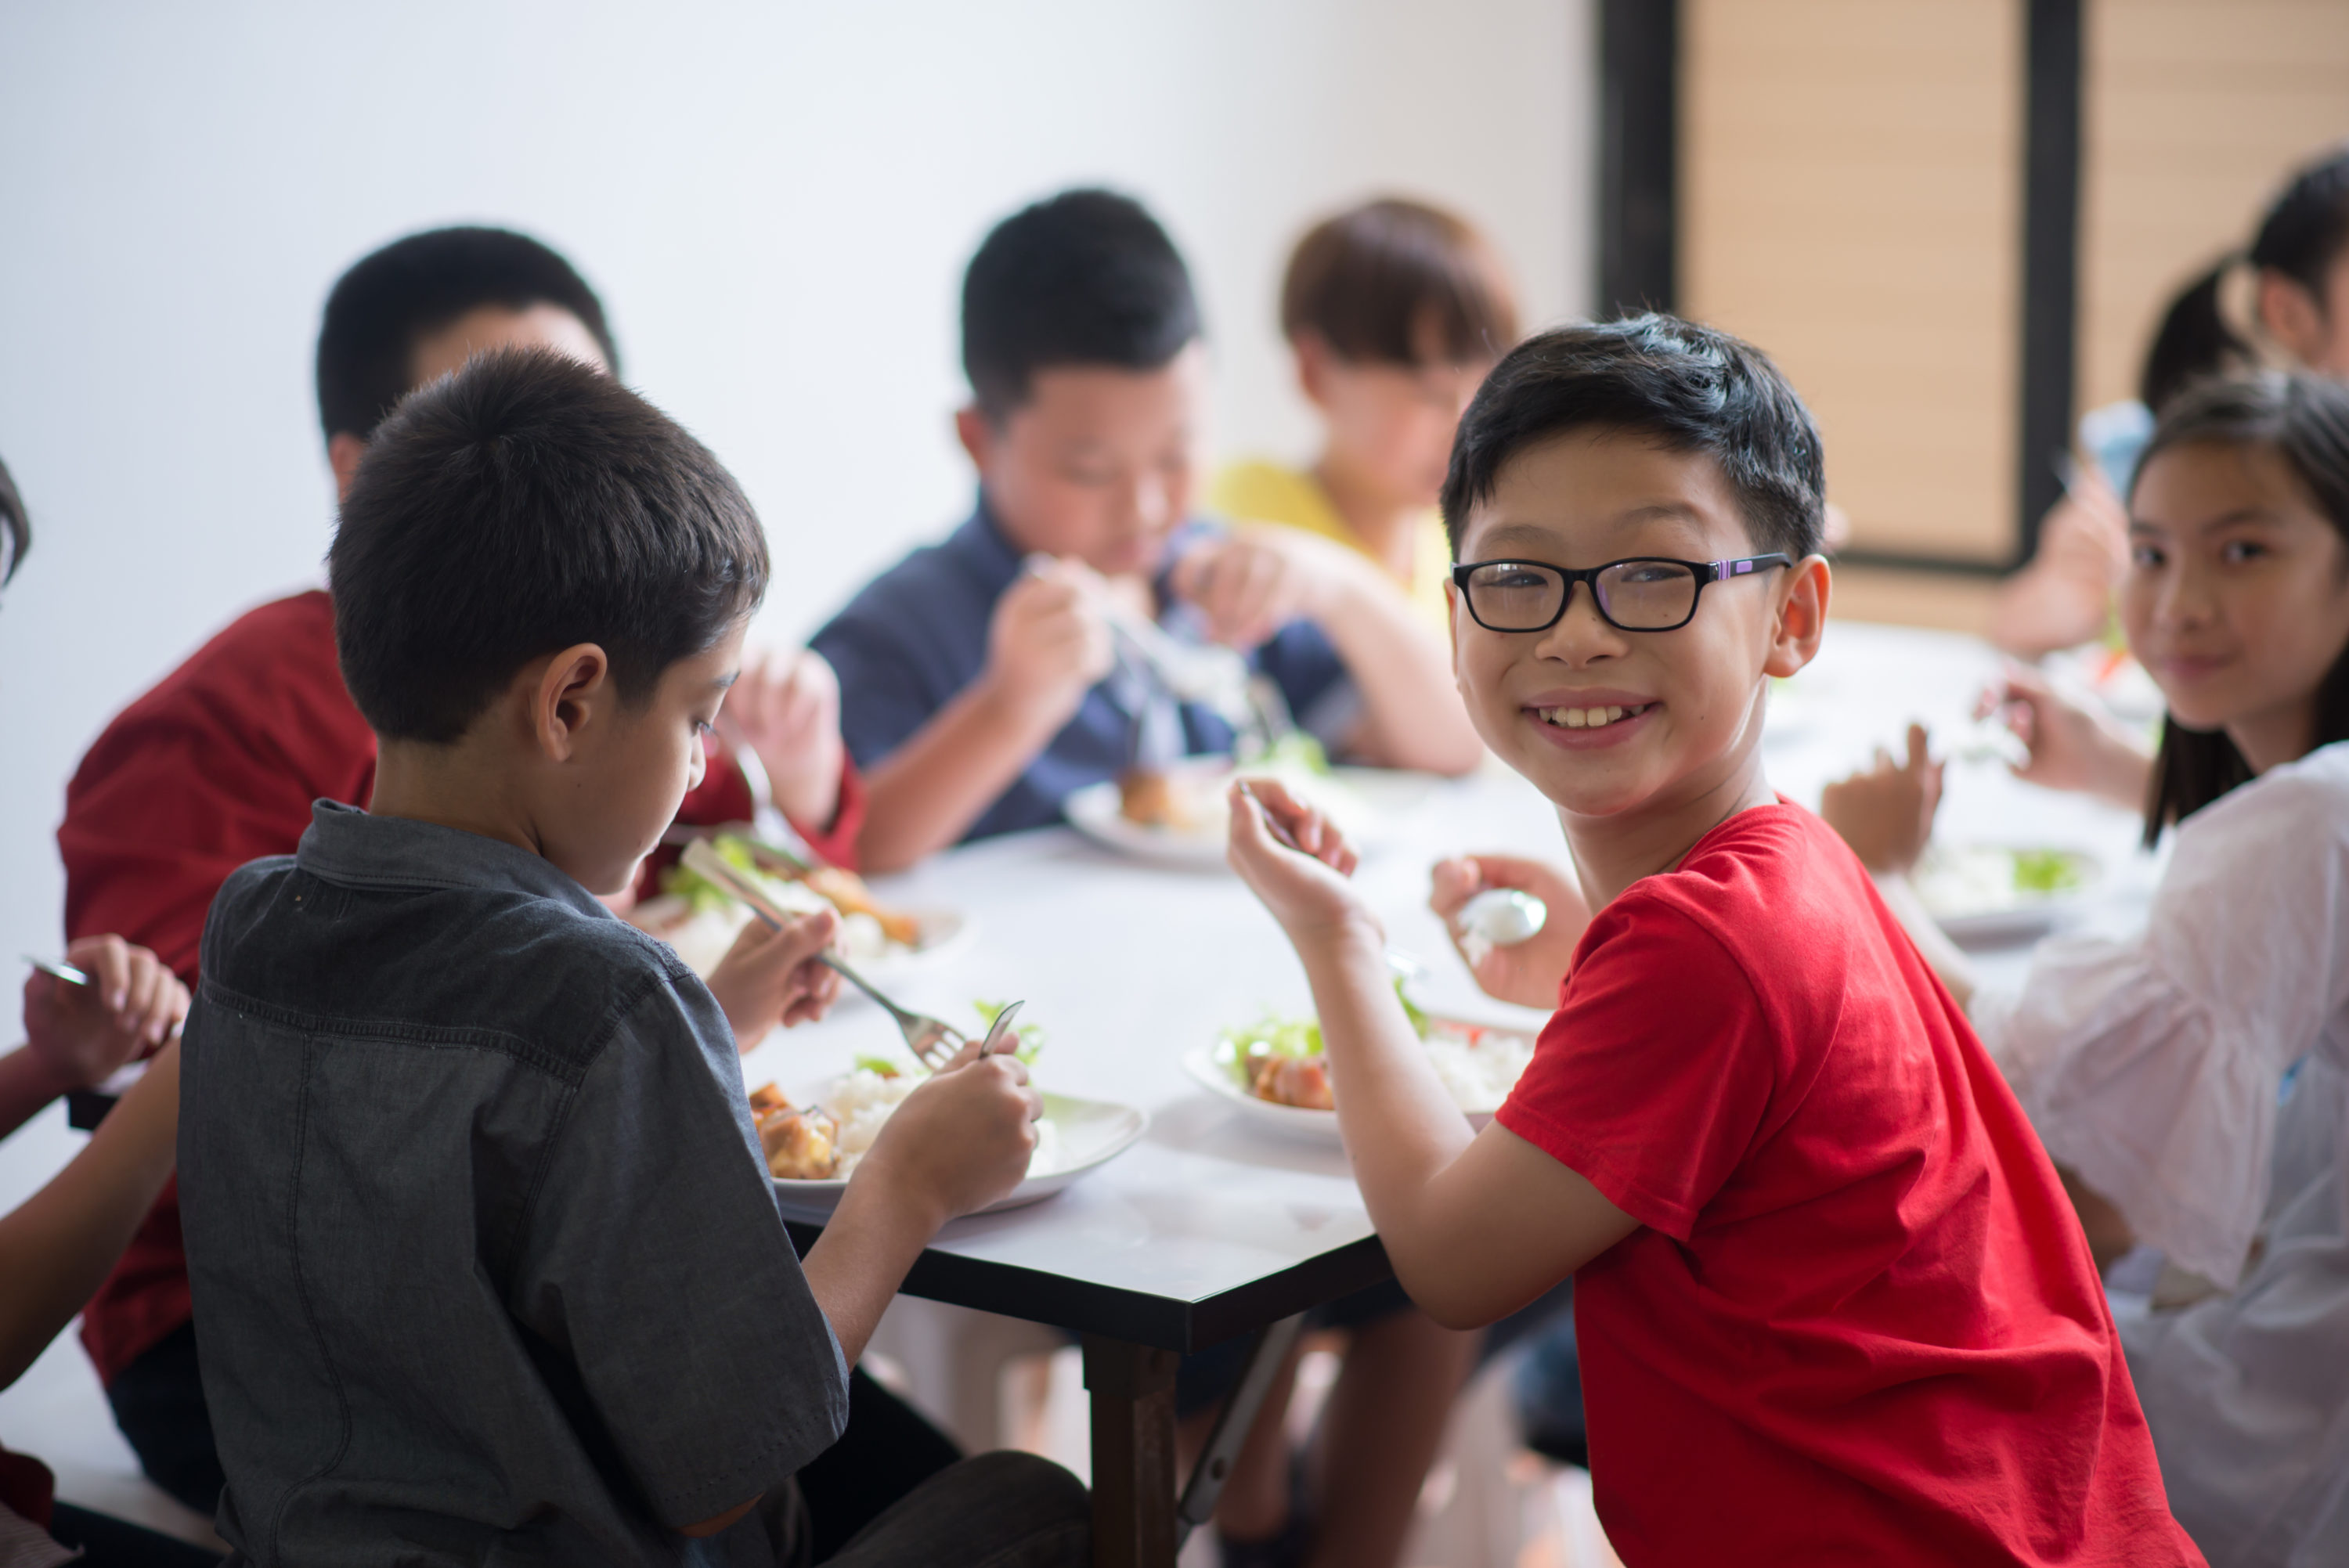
933, 1041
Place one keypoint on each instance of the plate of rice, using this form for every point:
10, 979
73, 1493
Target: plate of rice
829, 1127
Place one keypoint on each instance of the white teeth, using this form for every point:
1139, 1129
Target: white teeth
1589, 718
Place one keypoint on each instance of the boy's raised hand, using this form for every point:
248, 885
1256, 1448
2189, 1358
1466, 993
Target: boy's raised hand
1527, 972
1256, 580
81, 1034
1886, 814
962, 1139
771, 976
1294, 858
785, 707
1048, 641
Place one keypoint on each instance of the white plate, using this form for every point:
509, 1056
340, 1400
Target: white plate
702, 940
1210, 1065
1091, 1133
1345, 794
1970, 892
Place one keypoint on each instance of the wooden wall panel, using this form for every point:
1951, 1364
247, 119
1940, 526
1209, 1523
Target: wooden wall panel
1850, 202
2195, 112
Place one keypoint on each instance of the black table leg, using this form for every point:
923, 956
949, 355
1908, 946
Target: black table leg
1133, 1388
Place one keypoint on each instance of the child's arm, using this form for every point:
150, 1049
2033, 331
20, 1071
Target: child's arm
774, 977
78, 1034
785, 709
955, 1144
57, 1248
1527, 972
1252, 584
1477, 1225
1048, 643
1886, 815
2072, 746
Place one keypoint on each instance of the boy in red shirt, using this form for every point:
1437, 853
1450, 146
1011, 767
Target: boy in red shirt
218, 763
1832, 1303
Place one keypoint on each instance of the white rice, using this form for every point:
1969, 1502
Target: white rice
863, 1099
1481, 1072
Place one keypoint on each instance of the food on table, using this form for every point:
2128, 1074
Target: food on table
2047, 871
1188, 797
802, 1145
859, 1101
701, 920
1963, 882
1153, 800
1280, 1059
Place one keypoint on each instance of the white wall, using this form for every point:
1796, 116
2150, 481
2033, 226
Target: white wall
774, 200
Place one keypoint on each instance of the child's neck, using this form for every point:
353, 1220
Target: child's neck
451, 785
1370, 511
1612, 852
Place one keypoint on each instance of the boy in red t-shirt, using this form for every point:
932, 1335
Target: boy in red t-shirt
1832, 1303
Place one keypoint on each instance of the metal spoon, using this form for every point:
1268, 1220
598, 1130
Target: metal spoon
1498, 918
64, 972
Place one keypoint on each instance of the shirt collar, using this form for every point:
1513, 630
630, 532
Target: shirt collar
344, 844
980, 545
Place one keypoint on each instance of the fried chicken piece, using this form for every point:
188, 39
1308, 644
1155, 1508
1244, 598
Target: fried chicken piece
1150, 800
1301, 1081
799, 1144
847, 893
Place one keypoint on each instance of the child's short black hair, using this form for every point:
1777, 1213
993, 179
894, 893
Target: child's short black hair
1684, 386
413, 287
15, 528
524, 504
1086, 277
1399, 283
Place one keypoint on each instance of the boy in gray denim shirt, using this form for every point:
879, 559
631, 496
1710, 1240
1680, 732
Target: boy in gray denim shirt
486, 1262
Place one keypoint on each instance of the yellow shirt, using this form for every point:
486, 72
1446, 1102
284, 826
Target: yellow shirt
1260, 492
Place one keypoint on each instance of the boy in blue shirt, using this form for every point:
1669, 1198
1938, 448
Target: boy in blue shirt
980, 680
486, 1261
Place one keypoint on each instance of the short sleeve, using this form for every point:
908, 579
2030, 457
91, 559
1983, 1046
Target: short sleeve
883, 696
656, 1263
2151, 1065
1654, 1075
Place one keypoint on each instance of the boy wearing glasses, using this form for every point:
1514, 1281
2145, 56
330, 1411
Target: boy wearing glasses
1822, 1264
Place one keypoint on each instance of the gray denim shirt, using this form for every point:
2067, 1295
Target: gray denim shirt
486, 1262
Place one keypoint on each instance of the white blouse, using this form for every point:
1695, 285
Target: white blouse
2153, 1067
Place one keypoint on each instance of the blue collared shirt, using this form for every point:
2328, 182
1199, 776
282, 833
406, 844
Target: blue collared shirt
916, 635
486, 1261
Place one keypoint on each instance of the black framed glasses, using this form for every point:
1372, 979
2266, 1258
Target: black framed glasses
1642, 593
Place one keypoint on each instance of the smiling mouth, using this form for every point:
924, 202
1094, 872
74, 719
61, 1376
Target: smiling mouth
1589, 718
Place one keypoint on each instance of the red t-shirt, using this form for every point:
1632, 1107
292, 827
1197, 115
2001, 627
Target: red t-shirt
216, 766
1859, 1323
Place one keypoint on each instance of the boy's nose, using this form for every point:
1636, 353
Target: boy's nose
1582, 633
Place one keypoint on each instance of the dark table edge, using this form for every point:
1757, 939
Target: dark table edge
1165, 1321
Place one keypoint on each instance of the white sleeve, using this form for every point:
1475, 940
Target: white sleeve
2151, 1067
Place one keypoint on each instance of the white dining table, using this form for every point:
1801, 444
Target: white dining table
1211, 1226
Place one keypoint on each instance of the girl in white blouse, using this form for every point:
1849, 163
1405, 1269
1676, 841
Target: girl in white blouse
2194, 1079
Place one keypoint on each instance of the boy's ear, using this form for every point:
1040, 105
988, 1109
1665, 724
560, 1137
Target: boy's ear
573, 690
1313, 361
344, 452
1802, 617
976, 431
